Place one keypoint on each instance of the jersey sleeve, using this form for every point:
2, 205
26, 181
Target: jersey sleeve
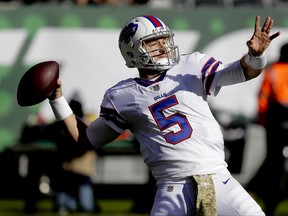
215, 74
99, 133
209, 67
111, 116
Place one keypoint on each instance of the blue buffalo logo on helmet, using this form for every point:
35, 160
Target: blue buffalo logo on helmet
128, 32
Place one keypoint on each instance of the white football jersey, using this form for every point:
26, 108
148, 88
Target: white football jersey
171, 119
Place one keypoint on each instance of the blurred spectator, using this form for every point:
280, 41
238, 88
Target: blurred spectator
110, 2
73, 166
38, 162
10, 1
75, 186
135, 2
96, 2
269, 182
30, 2
161, 3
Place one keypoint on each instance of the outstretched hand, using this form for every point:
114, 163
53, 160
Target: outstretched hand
261, 38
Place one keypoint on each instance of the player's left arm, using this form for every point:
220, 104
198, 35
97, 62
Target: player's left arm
254, 62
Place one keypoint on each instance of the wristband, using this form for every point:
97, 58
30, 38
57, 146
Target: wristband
61, 108
257, 63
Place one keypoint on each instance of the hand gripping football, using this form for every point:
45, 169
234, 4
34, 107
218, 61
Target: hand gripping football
38, 83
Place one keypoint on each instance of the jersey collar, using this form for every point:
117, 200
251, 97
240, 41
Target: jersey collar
150, 82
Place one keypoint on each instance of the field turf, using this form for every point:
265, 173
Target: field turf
108, 208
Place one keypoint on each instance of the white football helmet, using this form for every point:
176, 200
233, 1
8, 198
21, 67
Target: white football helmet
132, 43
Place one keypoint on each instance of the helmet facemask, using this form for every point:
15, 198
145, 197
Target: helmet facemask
148, 59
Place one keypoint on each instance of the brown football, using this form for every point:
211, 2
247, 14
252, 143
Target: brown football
37, 83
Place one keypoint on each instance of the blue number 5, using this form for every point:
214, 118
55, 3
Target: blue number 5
165, 122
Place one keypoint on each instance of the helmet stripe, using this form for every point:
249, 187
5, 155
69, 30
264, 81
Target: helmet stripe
156, 22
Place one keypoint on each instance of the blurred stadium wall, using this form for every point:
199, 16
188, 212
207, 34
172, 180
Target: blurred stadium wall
84, 41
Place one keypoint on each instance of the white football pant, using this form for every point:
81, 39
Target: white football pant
178, 198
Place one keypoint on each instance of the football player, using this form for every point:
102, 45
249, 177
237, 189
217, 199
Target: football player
167, 111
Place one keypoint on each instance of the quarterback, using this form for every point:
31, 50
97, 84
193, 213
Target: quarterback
167, 111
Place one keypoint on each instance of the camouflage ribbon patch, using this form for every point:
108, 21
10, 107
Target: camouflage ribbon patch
206, 199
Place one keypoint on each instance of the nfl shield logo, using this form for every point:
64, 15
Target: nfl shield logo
170, 188
155, 87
